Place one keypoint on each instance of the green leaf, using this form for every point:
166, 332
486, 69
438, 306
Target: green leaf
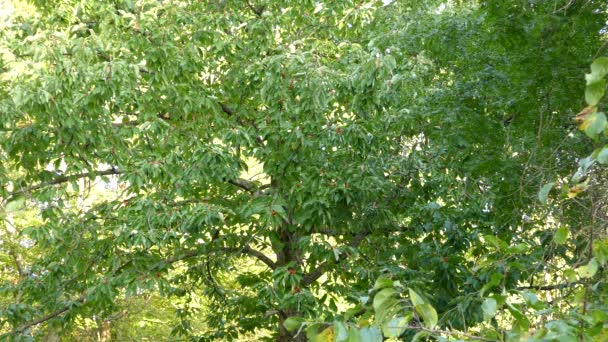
561, 235
293, 323
383, 296
600, 251
489, 308
570, 275
594, 92
496, 242
14, 205
594, 125
589, 270
340, 332
353, 335
395, 327
416, 298
382, 282
383, 302
428, 313
419, 335
370, 335
495, 279
599, 69
543, 194
602, 156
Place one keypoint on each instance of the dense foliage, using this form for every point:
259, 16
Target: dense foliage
284, 170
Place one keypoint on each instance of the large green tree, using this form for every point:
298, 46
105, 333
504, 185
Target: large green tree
329, 142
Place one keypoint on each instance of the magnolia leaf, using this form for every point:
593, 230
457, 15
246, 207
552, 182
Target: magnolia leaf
383, 302
600, 251
428, 314
575, 190
583, 114
326, 335
353, 335
341, 333
543, 194
419, 335
589, 270
370, 335
599, 69
594, 124
395, 327
594, 92
416, 298
382, 282
489, 308
602, 156
293, 323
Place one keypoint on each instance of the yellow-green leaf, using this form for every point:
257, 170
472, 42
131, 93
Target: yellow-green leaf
589, 270
428, 314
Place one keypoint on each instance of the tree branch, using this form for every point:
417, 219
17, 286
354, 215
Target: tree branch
254, 253
314, 275
258, 11
243, 184
551, 287
83, 297
48, 317
63, 179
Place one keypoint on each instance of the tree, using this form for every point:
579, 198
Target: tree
328, 142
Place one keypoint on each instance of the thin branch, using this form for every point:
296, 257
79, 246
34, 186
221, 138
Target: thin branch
311, 277
64, 179
551, 287
48, 317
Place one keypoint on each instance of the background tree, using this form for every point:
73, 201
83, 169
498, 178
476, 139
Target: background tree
330, 143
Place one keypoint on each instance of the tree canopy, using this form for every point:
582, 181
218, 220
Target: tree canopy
293, 170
